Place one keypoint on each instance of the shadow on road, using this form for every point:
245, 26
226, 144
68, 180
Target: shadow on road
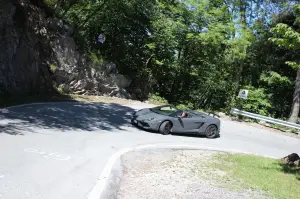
291, 170
64, 116
177, 134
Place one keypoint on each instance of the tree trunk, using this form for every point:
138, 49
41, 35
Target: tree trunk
240, 65
237, 73
243, 12
296, 100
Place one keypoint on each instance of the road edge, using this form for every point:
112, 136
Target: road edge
139, 104
133, 103
110, 178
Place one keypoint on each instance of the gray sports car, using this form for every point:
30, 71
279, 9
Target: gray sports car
167, 119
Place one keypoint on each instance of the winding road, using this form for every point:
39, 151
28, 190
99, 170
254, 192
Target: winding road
57, 150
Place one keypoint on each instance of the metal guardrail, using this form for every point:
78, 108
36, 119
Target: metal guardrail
266, 119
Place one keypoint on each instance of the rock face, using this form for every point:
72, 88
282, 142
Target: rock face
75, 73
23, 54
37, 50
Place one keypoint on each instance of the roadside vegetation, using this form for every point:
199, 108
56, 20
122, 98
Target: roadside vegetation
197, 53
248, 172
194, 54
162, 174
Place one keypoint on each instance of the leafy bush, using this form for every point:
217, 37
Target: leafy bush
50, 3
60, 90
185, 106
97, 61
281, 87
156, 99
258, 101
181, 106
53, 68
96, 58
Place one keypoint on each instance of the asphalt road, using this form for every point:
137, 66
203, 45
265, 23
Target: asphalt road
57, 151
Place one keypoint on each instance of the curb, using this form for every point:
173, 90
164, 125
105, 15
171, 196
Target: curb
109, 180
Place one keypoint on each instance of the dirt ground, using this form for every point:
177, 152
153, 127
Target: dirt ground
178, 174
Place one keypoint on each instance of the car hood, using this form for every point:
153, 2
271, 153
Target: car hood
145, 114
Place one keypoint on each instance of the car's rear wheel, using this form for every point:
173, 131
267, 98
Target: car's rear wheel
165, 127
211, 131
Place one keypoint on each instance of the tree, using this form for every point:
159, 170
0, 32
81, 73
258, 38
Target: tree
287, 37
190, 52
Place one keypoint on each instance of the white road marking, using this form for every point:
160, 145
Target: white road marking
101, 184
60, 157
48, 155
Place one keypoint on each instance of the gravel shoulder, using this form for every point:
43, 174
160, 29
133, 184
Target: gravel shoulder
166, 174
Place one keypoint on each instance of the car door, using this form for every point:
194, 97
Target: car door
192, 123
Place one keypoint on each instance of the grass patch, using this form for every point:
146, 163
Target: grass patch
283, 128
258, 173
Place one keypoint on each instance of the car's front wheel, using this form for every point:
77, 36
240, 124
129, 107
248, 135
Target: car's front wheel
165, 127
211, 131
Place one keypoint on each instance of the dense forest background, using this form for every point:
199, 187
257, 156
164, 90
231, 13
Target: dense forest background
198, 52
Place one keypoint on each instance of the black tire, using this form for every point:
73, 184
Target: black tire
165, 127
211, 131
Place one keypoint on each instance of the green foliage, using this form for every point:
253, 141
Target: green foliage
280, 91
96, 58
258, 101
53, 68
275, 79
156, 99
185, 106
283, 128
50, 3
238, 46
293, 65
258, 173
286, 36
60, 91
195, 53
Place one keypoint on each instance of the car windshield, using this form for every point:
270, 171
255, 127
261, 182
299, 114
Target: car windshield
164, 110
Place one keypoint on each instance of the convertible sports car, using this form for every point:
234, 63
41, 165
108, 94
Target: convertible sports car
167, 119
